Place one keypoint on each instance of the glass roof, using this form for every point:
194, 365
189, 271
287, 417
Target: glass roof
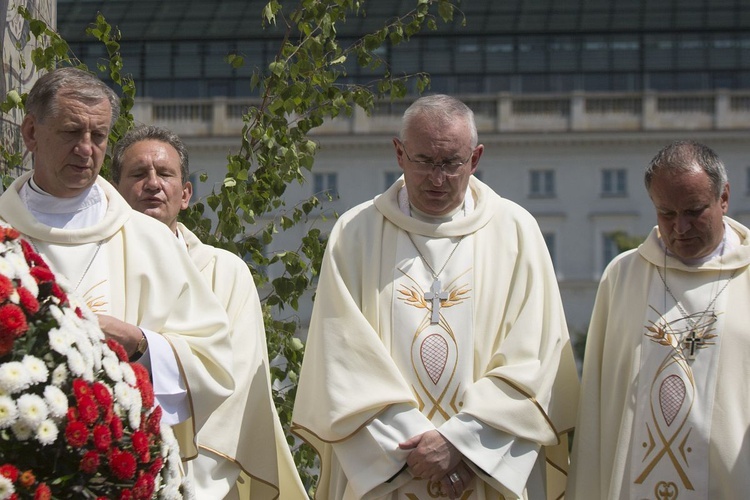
241, 19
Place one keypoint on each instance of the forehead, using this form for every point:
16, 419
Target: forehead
68, 108
429, 129
681, 189
151, 152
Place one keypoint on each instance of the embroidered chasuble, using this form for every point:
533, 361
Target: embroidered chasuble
140, 274
455, 326
244, 453
664, 403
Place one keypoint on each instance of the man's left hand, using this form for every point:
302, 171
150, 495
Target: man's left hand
126, 334
432, 456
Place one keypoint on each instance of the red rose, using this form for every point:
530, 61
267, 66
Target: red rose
90, 462
28, 301
12, 321
102, 437
122, 464
10, 471
76, 434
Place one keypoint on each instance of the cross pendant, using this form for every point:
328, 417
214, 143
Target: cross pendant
692, 343
435, 295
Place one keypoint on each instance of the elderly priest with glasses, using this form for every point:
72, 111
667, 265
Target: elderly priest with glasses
438, 362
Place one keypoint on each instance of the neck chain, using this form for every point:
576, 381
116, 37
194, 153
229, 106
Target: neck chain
88, 266
698, 336
436, 294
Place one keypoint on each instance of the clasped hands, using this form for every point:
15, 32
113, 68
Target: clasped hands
433, 457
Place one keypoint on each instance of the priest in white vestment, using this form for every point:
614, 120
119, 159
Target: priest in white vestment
142, 285
438, 363
666, 384
243, 450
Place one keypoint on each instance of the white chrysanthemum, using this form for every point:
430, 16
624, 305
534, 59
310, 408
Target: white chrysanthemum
126, 395
6, 488
75, 363
59, 375
98, 353
22, 430
37, 369
29, 283
60, 341
134, 415
55, 312
8, 412
14, 297
14, 377
128, 375
17, 262
6, 269
112, 368
57, 401
32, 409
46, 432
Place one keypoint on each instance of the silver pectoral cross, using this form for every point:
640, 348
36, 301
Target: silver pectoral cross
435, 295
692, 343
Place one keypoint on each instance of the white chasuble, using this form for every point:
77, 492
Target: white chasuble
674, 398
433, 335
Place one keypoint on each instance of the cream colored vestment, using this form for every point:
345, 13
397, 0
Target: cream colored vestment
518, 380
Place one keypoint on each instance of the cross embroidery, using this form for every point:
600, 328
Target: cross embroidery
692, 343
435, 295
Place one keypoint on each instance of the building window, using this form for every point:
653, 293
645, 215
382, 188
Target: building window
614, 182
390, 177
542, 183
326, 184
610, 249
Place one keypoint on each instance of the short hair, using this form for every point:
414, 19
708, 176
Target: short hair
441, 107
149, 133
70, 82
684, 156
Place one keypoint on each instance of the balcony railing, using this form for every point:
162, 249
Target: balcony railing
573, 112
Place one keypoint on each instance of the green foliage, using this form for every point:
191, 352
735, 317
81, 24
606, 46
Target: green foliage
624, 241
300, 90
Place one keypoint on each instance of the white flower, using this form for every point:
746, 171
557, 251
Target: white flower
14, 297
46, 433
32, 409
57, 401
128, 375
14, 377
8, 412
59, 375
75, 363
126, 395
22, 430
112, 368
37, 369
6, 488
6, 269
60, 341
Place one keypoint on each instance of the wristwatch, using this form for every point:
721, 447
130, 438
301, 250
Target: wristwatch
139, 349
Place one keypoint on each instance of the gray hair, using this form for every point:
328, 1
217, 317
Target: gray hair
441, 107
149, 133
684, 156
70, 82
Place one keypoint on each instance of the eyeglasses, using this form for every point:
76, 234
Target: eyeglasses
449, 168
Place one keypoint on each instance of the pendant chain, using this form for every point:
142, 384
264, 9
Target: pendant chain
434, 274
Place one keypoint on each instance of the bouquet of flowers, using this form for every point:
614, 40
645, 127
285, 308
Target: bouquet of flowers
76, 419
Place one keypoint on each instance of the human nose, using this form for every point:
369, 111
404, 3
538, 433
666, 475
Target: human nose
683, 224
437, 174
152, 182
85, 147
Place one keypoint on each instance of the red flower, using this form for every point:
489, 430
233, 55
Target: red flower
116, 426
78, 312
102, 394
6, 288
59, 293
87, 410
10, 471
90, 462
6, 344
140, 443
10, 233
154, 419
12, 320
122, 464
76, 433
118, 349
81, 388
42, 274
43, 492
27, 479
126, 495
143, 382
156, 466
144, 487
28, 301
102, 437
